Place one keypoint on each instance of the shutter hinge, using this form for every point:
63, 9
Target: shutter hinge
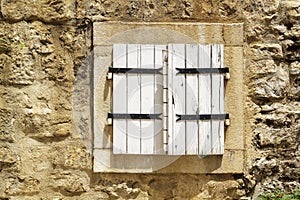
203, 117
135, 70
133, 116
202, 70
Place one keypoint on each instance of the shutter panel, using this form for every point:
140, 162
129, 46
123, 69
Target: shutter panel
119, 99
195, 94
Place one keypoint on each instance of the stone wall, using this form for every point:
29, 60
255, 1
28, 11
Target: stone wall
45, 48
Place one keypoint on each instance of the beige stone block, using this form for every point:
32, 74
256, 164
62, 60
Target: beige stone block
102, 160
234, 98
234, 34
102, 97
213, 33
157, 33
231, 162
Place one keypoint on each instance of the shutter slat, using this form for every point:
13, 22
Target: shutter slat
179, 99
119, 100
147, 99
204, 100
158, 100
217, 100
133, 91
191, 99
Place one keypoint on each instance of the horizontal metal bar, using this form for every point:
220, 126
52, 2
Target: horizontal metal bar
133, 116
203, 117
135, 70
202, 70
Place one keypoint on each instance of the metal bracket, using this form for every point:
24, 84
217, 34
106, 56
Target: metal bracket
133, 116
203, 117
135, 70
203, 70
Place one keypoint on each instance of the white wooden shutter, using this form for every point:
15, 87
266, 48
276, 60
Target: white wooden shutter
196, 94
137, 93
170, 94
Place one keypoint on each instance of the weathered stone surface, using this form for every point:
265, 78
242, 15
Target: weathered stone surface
70, 182
45, 10
73, 156
274, 85
40, 158
94, 195
20, 72
7, 156
120, 191
7, 128
221, 190
43, 126
266, 51
22, 186
56, 66
43, 49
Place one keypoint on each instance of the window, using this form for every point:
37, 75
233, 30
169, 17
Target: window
168, 99
165, 156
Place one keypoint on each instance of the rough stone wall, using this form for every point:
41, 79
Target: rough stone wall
44, 48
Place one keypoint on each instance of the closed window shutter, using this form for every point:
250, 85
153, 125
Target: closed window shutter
195, 94
170, 94
137, 93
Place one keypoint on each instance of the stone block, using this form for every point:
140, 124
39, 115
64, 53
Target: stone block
294, 68
23, 185
19, 72
271, 86
157, 33
266, 51
7, 125
73, 156
37, 158
70, 182
58, 67
45, 10
7, 156
235, 97
262, 67
234, 34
